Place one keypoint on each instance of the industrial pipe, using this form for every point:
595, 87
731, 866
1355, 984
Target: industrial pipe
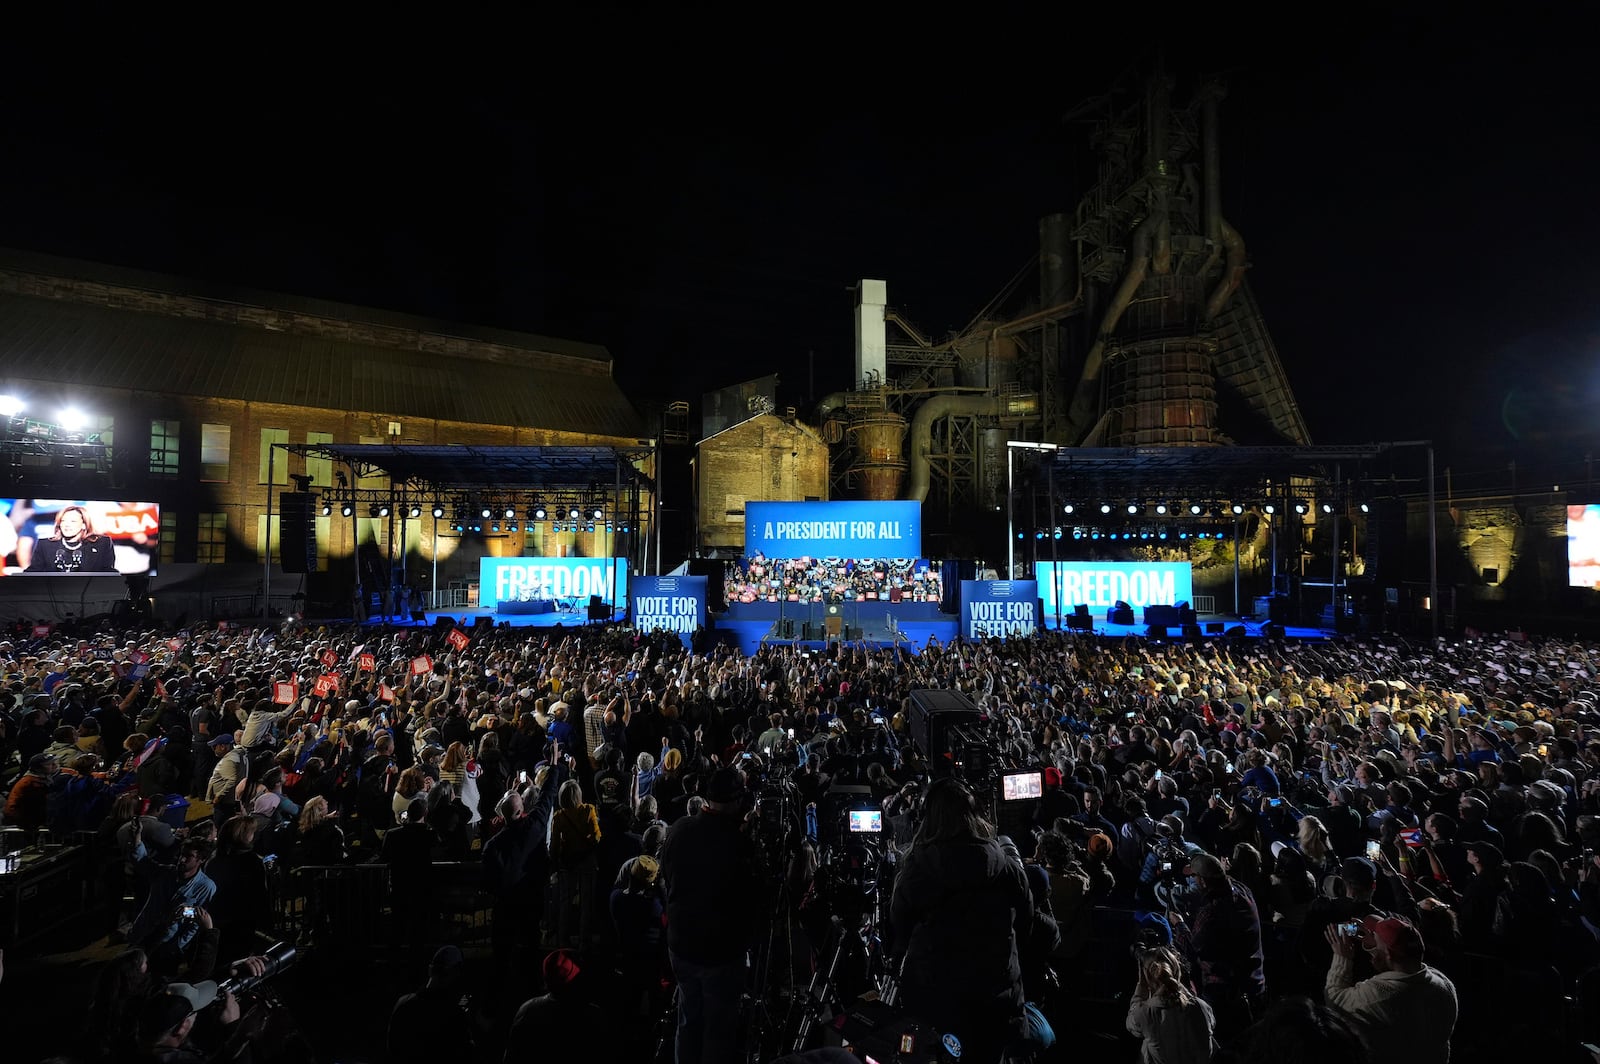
1232, 273
922, 432
1083, 396
1211, 154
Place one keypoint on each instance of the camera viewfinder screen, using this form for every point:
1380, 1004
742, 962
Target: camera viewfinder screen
1015, 786
866, 820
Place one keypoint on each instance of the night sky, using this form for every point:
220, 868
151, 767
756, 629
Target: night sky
1418, 206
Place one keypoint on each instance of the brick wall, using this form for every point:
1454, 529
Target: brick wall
765, 458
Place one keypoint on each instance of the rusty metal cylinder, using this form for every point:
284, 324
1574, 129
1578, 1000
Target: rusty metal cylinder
880, 463
1164, 393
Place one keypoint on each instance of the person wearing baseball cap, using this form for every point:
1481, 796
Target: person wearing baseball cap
1407, 1011
1219, 927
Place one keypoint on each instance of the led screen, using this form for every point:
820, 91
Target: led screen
79, 537
1583, 546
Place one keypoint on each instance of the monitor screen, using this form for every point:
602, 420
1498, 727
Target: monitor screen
1583, 546
79, 537
1015, 786
866, 821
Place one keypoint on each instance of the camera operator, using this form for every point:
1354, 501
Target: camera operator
1219, 929
174, 913
190, 1023
707, 863
961, 905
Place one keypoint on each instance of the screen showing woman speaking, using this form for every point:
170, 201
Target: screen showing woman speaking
79, 537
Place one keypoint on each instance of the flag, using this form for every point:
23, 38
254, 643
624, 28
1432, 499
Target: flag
329, 658
139, 672
421, 665
457, 639
1410, 836
284, 694
149, 748
385, 692
161, 689
367, 662
175, 645
326, 685
138, 657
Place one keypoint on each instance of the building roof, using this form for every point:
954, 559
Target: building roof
58, 340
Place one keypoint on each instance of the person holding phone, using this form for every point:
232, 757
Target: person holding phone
161, 928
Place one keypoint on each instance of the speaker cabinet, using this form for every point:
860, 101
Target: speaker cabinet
297, 532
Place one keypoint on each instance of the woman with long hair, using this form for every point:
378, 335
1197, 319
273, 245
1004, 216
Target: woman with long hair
453, 769
960, 904
73, 546
1174, 1024
1316, 846
321, 840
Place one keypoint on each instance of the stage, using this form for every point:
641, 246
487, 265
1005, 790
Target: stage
749, 635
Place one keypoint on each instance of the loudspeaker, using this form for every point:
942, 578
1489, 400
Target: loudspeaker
1156, 631
419, 615
1385, 550
786, 628
482, 624
297, 532
1192, 631
1272, 630
1213, 627
713, 569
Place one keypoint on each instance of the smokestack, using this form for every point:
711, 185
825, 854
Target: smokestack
872, 345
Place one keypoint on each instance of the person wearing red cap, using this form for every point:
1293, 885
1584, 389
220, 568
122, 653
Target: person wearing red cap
1407, 1011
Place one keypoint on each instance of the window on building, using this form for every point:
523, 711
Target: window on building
211, 546
163, 448
320, 470
216, 451
169, 537
264, 528
277, 462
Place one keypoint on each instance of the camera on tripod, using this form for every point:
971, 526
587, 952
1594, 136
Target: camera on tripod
280, 957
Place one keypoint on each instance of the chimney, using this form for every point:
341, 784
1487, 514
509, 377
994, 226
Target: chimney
872, 357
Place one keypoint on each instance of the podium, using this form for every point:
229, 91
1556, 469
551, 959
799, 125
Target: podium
833, 626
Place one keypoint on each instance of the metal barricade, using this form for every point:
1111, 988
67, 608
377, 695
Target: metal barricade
349, 907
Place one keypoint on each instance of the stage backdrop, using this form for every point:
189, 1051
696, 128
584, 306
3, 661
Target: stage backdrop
1001, 608
676, 603
833, 529
568, 581
1101, 585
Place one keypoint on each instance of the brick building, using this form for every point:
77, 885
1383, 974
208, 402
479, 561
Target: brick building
764, 457
189, 387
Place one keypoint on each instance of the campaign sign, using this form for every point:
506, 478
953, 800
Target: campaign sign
674, 603
853, 529
566, 581
1002, 608
1101, 585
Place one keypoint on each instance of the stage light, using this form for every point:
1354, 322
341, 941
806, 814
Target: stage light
1095, 534
1022, 535
415, 511
1196, 509
588, 527
72, 419
1327, 507
1237, 508
1183, 535
485, 512
1269, 508
10, 406
1300, 508
383, 510
1058, 533
1161, 508
346, 510
1077, 533
1105, 507
1161, 534
495, 527
1133, 508
1039, 534
510, 512
538, 513
1365, 508
1144, 535
327, 508
438, 511
598, 513
573, 513
1068, 508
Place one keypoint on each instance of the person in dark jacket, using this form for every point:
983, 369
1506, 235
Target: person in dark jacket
516, 863
1219, 930
961, 904
711, 915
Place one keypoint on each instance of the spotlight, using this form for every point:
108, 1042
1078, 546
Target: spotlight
1133, 508
1269, 508
1105, 507
539, 513
10, 406
1161, 508
1162, 534
1183, 535
1327, 507
589, 527
1300, 508
510, 512
1039, 534
1237, 508
1068, 508
511, 526
1077, 533
1196, 509
1144, 535
438, 511
72, 419
327, 507
485, 512
1058, 532
573, 513
383, 510
495, 527
598, 513
1365, 508
346, 510
415, 511
1095, 534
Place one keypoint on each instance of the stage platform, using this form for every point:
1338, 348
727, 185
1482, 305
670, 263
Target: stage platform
749, 635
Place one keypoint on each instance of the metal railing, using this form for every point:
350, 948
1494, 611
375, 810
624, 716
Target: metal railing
352, 907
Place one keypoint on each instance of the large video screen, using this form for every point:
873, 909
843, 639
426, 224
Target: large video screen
831, 580
1583, 546
79, 537
540, 585
1101, 585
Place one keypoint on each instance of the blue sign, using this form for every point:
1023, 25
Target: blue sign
1002, 608
674, 603
566, 582
1101, 585
833, 529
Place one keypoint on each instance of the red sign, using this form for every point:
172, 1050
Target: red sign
326, 685
329, 658
161, 689
174, 645
385, 692
40, 631
421, 665
457, 639
284, 694
367, 662
131, 521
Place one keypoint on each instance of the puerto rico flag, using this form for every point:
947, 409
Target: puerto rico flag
1410, 836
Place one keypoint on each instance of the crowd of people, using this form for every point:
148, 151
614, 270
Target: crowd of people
762, 579
1321, 845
